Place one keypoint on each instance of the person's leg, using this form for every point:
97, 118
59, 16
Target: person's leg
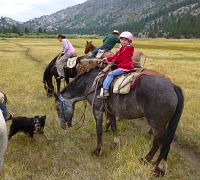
96, 50
60, 64
111, 75
94, 53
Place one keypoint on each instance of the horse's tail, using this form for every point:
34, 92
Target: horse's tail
172, 126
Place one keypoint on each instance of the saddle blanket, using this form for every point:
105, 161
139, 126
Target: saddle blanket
71, 62
126, 82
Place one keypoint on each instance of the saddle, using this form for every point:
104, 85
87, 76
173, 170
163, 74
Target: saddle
122, 84
71, 62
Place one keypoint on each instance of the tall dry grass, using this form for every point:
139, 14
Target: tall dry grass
68, 154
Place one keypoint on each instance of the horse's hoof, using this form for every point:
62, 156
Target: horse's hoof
158, 172
117, 142
144, 161
97, 152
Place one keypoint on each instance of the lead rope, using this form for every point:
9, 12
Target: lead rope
82, 117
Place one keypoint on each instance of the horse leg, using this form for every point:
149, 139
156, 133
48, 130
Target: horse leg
157, 142
99, 119
58, 85
160, 171
67, 80
114, 129
159, 135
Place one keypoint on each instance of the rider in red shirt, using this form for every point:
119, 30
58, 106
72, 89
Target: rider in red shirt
122, 58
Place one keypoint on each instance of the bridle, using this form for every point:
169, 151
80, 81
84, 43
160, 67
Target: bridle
64, 107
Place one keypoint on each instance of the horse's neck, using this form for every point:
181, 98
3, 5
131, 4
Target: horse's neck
47, 74
92, 47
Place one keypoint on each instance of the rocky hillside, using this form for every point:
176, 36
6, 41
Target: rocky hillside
6, 22
92, 14
101, 16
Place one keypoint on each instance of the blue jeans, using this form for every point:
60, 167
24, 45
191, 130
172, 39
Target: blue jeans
94, 53
111, 75
3, 109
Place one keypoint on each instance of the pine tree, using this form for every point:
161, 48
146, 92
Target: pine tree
40, 30
26, 30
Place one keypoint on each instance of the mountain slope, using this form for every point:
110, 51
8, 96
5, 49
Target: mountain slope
6, 22
91, 14
101, 16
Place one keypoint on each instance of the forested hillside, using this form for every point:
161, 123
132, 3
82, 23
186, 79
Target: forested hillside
148, 18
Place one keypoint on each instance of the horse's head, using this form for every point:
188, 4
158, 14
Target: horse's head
49, 88
88, 47
65, 111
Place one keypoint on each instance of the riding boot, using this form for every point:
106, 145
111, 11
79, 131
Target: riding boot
104, 93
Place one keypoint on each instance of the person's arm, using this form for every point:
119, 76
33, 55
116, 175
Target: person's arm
65, 46
110, 58
105, 39
117, 39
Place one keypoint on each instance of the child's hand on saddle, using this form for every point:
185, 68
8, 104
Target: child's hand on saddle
104, 60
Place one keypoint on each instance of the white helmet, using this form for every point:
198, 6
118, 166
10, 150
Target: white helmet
127, 35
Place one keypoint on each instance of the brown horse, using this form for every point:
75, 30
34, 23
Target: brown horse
89, 47
138, 56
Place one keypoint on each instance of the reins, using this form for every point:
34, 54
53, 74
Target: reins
82, 117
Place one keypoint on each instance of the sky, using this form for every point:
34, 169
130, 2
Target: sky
24, 10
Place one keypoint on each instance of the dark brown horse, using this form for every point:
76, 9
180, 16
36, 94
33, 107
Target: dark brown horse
51, 71
138, 56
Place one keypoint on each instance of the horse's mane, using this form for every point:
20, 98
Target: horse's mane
48, 69
73, 83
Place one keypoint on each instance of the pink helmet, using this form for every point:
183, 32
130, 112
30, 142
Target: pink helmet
127, 35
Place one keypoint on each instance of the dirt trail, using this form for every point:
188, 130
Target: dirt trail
190, 156
27, 53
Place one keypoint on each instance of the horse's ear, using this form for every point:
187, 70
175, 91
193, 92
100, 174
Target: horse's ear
87, 42
91, 42
56, 96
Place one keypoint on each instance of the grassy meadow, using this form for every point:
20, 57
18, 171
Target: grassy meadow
68, 154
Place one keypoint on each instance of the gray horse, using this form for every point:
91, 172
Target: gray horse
155, 98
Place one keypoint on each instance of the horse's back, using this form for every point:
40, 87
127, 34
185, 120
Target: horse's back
152, 94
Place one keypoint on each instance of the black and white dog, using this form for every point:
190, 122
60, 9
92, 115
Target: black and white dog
29, 126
